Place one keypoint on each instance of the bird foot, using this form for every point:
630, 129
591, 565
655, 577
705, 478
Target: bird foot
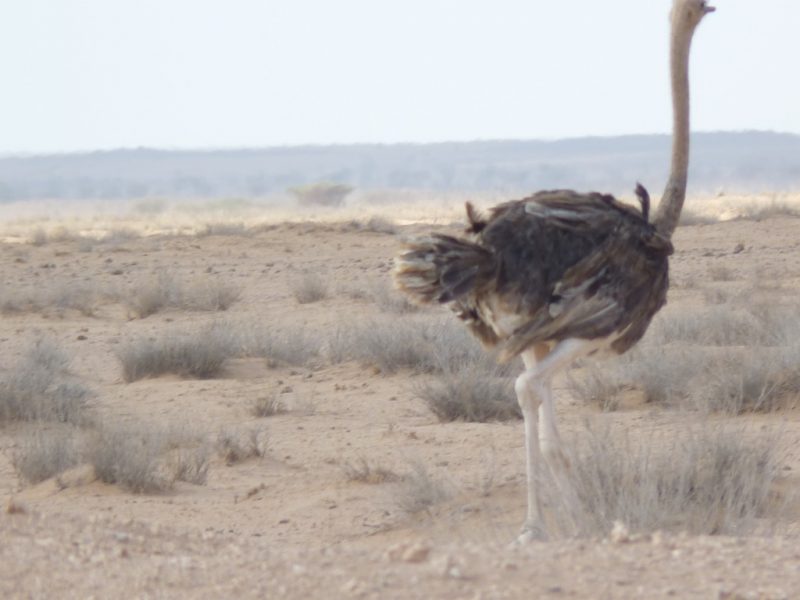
531, 532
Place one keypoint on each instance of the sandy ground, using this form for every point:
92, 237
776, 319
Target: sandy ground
292, 524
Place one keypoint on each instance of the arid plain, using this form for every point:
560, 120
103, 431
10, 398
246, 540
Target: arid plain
230, 400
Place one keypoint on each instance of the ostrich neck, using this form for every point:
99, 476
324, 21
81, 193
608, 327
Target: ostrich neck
669, 209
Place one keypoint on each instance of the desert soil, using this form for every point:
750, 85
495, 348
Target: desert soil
292, 524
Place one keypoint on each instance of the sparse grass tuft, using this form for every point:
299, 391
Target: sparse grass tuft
596, 386
47, 453
776, 208
721, 273
750, 380
419, 490
689, 218
309, 288
81, 297
149, 297
704, 480
131, 457
378, 224
38, 237
295, 347
214, 294
268, 406
390, 300
389, 345
53, 294
238, 444
729, 380
38, 389
166, 290
723, 325
199, 354
190, 464
222, 228
364, 471
147, 459
423, 345
467, 394
121, 235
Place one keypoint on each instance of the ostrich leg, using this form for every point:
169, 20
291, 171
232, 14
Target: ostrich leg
534, 397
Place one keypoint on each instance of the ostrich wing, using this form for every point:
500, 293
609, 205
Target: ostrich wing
576, 265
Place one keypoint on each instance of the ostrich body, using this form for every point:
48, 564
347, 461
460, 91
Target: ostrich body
560, 275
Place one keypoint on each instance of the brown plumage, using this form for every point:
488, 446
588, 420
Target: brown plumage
553, 266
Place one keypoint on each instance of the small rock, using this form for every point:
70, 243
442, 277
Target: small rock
448, 566
395, 553
619, 533
416, 553
657, 539
352, 587
15, 508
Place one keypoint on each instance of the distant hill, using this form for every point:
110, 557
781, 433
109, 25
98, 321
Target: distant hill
744, 161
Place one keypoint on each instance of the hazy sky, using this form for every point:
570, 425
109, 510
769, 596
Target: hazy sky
91, 74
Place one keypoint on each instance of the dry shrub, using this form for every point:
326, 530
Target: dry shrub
39, 388
389, 345
308, 288
323, 193
190, 464
120, 235
46, 453
726, 380
82, 297
289, 346
375, 224
776, 208
147, 458
213, 294
14, 300
423, 345
268, 406
706, 480
237, 444
79, 296
418, 490
716, 296
378, 224
131, 457
166, 290
38, 237
691, 217
364, 471
453, 348
200, 354
720, 326
390, 300
596, 386
469, 394
228, 229
721, 273
750, 380
149, 297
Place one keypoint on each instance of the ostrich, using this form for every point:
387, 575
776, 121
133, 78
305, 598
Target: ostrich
560, 275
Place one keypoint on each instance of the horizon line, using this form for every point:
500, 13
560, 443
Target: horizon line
211, 149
